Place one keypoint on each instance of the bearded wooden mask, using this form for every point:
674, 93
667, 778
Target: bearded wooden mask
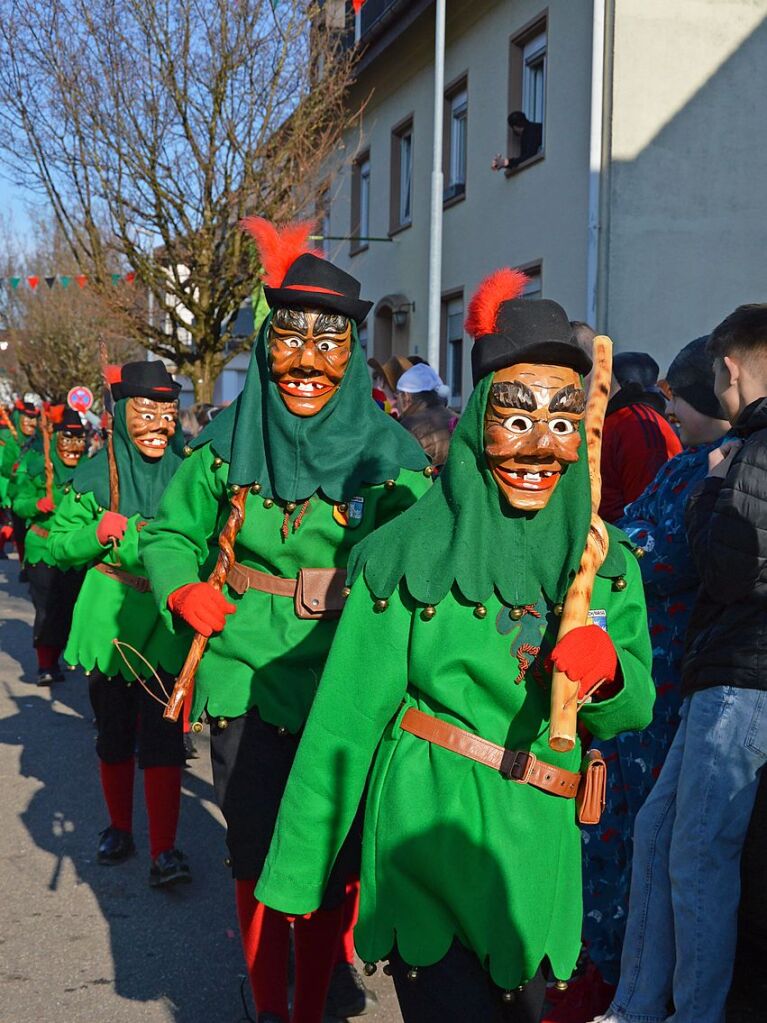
70, 447
309, 351
151, 424
531, 430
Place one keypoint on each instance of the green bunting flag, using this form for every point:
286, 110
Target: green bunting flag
64, 281
15, 282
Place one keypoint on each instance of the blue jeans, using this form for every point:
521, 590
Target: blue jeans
685, 881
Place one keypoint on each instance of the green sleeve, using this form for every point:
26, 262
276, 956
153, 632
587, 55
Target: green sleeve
348, 717
72, 542
175, 543
631, 708
10, 456
27, 492
410, 486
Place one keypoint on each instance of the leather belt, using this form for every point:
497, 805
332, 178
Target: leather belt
39, 531
136, 582
516, 765
241, 579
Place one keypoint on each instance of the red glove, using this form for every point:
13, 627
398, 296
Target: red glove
587, 656
201, 606
111, 526
45, 505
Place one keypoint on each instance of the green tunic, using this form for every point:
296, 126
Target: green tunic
266, 656
106, 608
9, 453
451, 849
29, 488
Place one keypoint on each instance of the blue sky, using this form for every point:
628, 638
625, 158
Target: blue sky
14, 207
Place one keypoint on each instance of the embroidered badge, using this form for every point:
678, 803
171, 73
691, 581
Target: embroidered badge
349, 515
598, 616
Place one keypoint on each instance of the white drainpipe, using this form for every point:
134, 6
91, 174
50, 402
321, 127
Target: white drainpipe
595, 157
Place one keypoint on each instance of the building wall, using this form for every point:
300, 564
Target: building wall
685, 238
537, 215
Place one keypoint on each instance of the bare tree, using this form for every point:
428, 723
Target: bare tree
153, 126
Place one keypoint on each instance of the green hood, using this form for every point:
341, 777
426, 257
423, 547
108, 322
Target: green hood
350, 442
463, 534
35, 465
142, 480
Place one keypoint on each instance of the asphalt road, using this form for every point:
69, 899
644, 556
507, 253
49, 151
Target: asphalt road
83, 943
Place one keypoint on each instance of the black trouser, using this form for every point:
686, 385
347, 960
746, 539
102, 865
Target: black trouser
53, 594
458, 989
129, 720
19, 533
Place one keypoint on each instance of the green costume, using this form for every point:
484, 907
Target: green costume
109, 608
29, 489
451, 848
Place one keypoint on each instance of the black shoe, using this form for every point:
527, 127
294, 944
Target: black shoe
46, 677
115, 846
169, 868
190, 750
347, 995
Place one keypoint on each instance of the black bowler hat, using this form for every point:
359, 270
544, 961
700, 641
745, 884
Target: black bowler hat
312, 281
70, 423
145, 380
28, 408
508, 329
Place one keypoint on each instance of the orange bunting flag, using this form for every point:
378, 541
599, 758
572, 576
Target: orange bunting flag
82, 280
33, 282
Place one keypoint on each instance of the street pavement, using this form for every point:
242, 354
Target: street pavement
84, 943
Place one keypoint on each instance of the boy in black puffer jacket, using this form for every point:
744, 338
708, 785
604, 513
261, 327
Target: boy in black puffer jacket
685, 885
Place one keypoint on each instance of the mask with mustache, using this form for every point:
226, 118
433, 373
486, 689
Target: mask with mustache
151, 424
309, 351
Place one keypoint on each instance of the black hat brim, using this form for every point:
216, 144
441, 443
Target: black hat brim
354, 308
494, 351
120, 390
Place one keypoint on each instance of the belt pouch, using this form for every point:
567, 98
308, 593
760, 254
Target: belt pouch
320, 593
590, 800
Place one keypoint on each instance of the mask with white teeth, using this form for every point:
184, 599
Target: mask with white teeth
309, 351
531, 430
151, 424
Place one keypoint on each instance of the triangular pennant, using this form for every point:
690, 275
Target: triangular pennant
130, 277
82, 280
116, 278
50, 281
64, 281
33, 282
15, 282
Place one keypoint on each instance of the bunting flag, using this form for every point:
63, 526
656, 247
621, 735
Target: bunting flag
15, 282
33, 280
64, 281
50, 281
82, 280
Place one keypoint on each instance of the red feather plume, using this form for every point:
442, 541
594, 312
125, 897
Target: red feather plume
279, 247
55, 413
501, 286
113, 374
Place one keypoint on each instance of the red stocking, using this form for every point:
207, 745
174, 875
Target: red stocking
316, 939
47, 656
162, 791
117, 783
265, 942
351, 912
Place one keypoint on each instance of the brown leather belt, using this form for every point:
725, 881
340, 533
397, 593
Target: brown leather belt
136, 582
39, 531
516, 765
241, 579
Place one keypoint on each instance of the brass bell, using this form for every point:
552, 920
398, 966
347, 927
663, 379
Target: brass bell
508, 997
429, 471
480, 611
558, 609
386, 968
290, 507
380, 605
521, 987
620, 584
281, 731
187, 451
369, 969
197, 727
67, 489
561, 985
256, 488
99, 509
217, 462
412, 973
222, 723
639, 552
78, 497
428, 612
390, 484
268, 503
343, 508
345, 592
235, 488
516, 613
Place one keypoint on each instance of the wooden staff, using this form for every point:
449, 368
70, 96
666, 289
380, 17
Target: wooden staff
564, 692
217, 578
46, 429
114, 478
5, 420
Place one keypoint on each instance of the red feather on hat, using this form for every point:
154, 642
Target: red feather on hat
279, 247
55, 413
501, 286
113, 374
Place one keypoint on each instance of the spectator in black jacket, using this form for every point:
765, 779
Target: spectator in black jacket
685, 884
530, 135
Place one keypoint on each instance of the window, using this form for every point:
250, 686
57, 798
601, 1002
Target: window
452, 318
360, 229
527, 93
401, 202
456, 138
534, 285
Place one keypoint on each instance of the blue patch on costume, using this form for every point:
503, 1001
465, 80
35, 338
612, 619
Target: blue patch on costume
598, 616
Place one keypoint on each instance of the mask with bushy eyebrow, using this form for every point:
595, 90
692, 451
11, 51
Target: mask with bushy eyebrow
309, 352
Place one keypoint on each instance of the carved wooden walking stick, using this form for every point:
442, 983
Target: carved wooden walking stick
217, 578
564, 692
114, 478
46, 429
5, 420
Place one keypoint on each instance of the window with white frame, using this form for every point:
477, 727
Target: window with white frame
534, 78
360, 226
401, 200
457, 110
453, 320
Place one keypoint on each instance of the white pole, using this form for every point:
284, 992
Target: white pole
595, 158
435, 229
